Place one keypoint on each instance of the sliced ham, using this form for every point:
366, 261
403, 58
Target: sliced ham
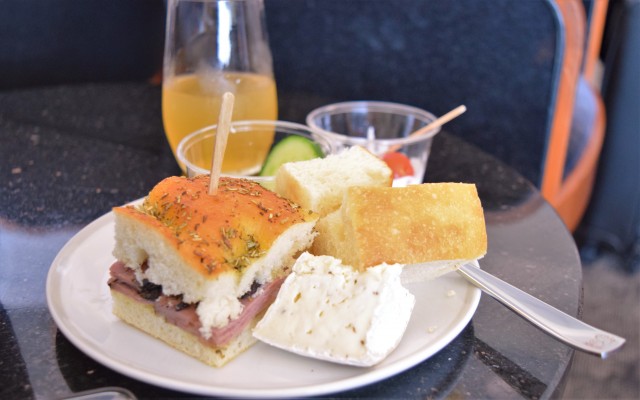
184, 315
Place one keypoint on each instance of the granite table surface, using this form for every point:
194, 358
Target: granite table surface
70, 153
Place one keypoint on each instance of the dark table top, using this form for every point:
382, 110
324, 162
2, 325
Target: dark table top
68, 154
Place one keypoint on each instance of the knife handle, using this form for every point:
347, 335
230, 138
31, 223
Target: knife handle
552, 321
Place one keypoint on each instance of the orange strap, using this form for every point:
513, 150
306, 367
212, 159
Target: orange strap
573, 16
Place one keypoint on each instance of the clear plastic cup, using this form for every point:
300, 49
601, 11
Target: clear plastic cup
195, 151
383, 128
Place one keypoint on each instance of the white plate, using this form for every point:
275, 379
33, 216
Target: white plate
80, 303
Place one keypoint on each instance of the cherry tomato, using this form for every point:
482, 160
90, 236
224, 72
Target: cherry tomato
399, 164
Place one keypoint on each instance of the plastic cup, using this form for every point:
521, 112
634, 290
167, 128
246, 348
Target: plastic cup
195, 151
383, 128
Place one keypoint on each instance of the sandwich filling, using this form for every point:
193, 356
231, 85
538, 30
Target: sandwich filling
177, 312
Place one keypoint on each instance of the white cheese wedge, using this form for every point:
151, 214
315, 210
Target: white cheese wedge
332, 312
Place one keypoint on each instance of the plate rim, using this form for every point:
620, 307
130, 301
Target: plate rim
368, 375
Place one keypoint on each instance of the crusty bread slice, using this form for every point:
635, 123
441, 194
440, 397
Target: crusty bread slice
332, 240
211, 249
142, 316
319, 184
413, 224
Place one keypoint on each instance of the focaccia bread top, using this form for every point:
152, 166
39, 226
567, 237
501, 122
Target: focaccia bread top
221, 232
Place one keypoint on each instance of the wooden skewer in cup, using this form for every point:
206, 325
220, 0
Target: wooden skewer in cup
222, 134
434, 124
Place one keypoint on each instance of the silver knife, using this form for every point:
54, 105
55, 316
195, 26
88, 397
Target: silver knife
556, 323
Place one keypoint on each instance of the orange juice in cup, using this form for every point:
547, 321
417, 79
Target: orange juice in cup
191, 102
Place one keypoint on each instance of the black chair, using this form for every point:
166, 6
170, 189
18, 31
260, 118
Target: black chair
45, 42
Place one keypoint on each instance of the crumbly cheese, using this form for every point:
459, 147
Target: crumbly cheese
332, 312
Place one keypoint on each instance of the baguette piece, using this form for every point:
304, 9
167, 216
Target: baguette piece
332, 312
406, 225
319, 184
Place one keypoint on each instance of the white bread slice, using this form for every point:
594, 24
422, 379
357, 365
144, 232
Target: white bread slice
211, 249
319, 184
142, 316
330, 311
424, 223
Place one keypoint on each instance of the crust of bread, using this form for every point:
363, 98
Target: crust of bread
413, 224
330, 239
319, 184
142, 316
212, 233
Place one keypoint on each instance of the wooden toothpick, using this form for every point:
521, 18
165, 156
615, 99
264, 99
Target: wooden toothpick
434, 124
441, 121
222, 133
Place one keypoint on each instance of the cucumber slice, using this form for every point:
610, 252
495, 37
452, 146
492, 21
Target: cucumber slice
291, 148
